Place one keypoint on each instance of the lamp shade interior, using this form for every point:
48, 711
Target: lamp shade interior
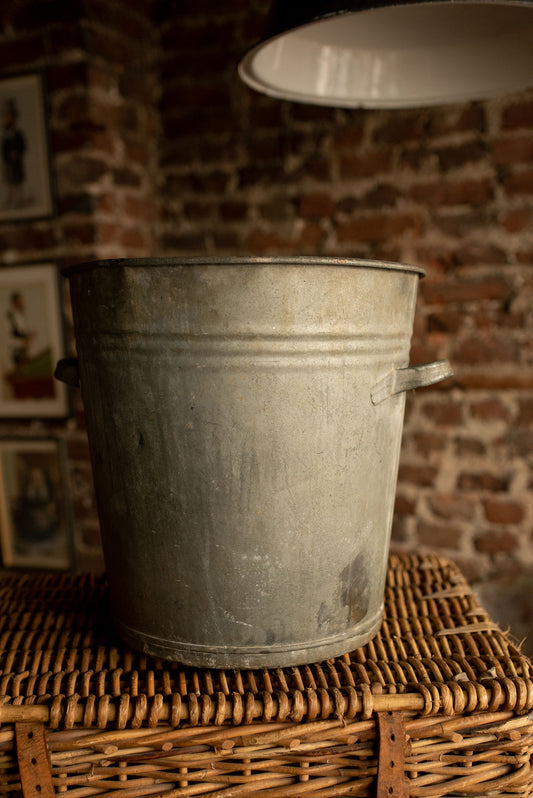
416, 54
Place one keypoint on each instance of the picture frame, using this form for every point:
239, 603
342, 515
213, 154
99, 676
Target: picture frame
31, 343
35, 516
26, 185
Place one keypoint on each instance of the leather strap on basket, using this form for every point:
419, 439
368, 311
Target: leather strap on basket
392, 782
33, 760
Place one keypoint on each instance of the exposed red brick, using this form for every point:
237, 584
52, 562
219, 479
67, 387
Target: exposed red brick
84, 169
404, 506
66, 75
400, 127
495, 380
317, 114
462, 221
455, 156
444, 414
79, 203
133, 239
525, 412
438, 535
106, 44
310, 238
99, 77
316, 205
470, 566
447, 321
264, 241
186, 33
457, 119
315, 167
136, 152
519, 182
511, 150
106, 202
372, 229
23, 238
278, 209
217, 121
267, 147
184, 243
465, 290
423, 352
480, 253
466, 446
124, 176
493, 542
447, 505
518, 115
195, 210
416, 158
486, 349
80, 233
382, 196
422, 475
365, 165
525, 256
227, 241
517, 219
349, 137
428, 442
461, 192
499, 317
177, 184
24, 50
108, 233
499, 511
266, 115
489, 410
233, 210
520, 441
142, 208
124, 18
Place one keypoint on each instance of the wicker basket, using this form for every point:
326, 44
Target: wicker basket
438, 704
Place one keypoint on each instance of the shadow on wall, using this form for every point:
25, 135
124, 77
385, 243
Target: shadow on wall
509, 602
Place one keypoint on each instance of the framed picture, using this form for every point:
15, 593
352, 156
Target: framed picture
26, 183
35, 526
31, 342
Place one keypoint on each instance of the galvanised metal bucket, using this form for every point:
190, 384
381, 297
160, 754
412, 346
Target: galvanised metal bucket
244, 419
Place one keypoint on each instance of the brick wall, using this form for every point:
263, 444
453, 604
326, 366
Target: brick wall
158, 148
448, 188
97, 60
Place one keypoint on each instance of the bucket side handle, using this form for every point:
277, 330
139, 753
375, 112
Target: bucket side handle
400, 380
67, 370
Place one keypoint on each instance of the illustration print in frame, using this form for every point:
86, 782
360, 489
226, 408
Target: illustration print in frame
35, 525
31, 343
26, 186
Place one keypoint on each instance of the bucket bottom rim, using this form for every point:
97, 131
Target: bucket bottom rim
247, 657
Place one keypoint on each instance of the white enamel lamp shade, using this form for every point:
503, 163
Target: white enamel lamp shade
380, 54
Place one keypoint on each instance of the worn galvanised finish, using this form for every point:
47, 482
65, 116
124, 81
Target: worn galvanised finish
244, 473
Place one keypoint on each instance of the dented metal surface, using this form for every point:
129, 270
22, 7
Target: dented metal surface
245, 479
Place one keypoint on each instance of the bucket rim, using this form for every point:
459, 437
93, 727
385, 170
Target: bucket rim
241, 260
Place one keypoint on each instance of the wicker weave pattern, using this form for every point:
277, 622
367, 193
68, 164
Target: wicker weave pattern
123, 721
